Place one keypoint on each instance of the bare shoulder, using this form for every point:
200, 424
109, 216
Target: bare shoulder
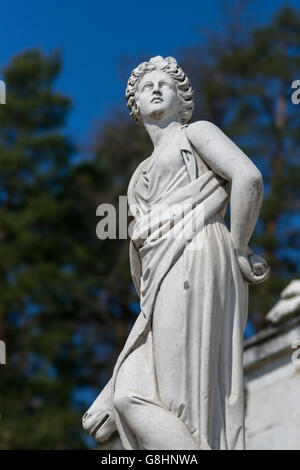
202, 130
200, 125
219, 151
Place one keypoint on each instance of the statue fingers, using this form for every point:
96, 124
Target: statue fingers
255, 273
258, 269
257, 259
258, 279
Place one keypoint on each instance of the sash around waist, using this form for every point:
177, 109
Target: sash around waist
193, 205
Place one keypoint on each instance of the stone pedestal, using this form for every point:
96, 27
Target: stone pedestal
272, 375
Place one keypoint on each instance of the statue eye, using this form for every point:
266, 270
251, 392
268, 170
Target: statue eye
147, 85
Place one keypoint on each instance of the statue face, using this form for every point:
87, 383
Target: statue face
157, 97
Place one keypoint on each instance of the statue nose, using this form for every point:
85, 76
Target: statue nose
157, 91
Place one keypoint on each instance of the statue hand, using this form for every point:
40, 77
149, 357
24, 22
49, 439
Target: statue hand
253, 267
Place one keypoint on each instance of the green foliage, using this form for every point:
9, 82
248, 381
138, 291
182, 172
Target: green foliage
38, 294
67, 300
244, 86
265, 69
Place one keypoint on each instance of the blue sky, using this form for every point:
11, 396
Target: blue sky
94, 35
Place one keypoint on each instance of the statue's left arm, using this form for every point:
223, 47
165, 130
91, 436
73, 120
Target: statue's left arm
226, 159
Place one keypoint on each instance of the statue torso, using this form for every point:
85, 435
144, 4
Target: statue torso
164, 171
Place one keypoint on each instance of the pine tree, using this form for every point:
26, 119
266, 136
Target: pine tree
67, 301
242, 80
38, 285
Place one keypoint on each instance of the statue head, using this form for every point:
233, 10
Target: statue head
181, 81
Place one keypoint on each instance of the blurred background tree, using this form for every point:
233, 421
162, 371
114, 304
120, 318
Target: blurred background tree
67, 300
244, 86
266, 123
39, 283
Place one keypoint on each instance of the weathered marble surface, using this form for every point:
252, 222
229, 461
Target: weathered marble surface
178, 383
288, 305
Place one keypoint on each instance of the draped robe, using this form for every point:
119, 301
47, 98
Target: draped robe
193, 301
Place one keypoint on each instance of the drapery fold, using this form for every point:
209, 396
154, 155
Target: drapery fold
187, 224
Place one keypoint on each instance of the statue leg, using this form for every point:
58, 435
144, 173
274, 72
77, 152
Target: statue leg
151, 424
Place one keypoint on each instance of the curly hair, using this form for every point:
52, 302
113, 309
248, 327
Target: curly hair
170, 66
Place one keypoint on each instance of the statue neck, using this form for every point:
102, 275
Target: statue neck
161, 131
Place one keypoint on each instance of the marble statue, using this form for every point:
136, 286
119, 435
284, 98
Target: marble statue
178, 382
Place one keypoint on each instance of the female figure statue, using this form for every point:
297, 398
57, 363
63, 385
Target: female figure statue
178, 383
